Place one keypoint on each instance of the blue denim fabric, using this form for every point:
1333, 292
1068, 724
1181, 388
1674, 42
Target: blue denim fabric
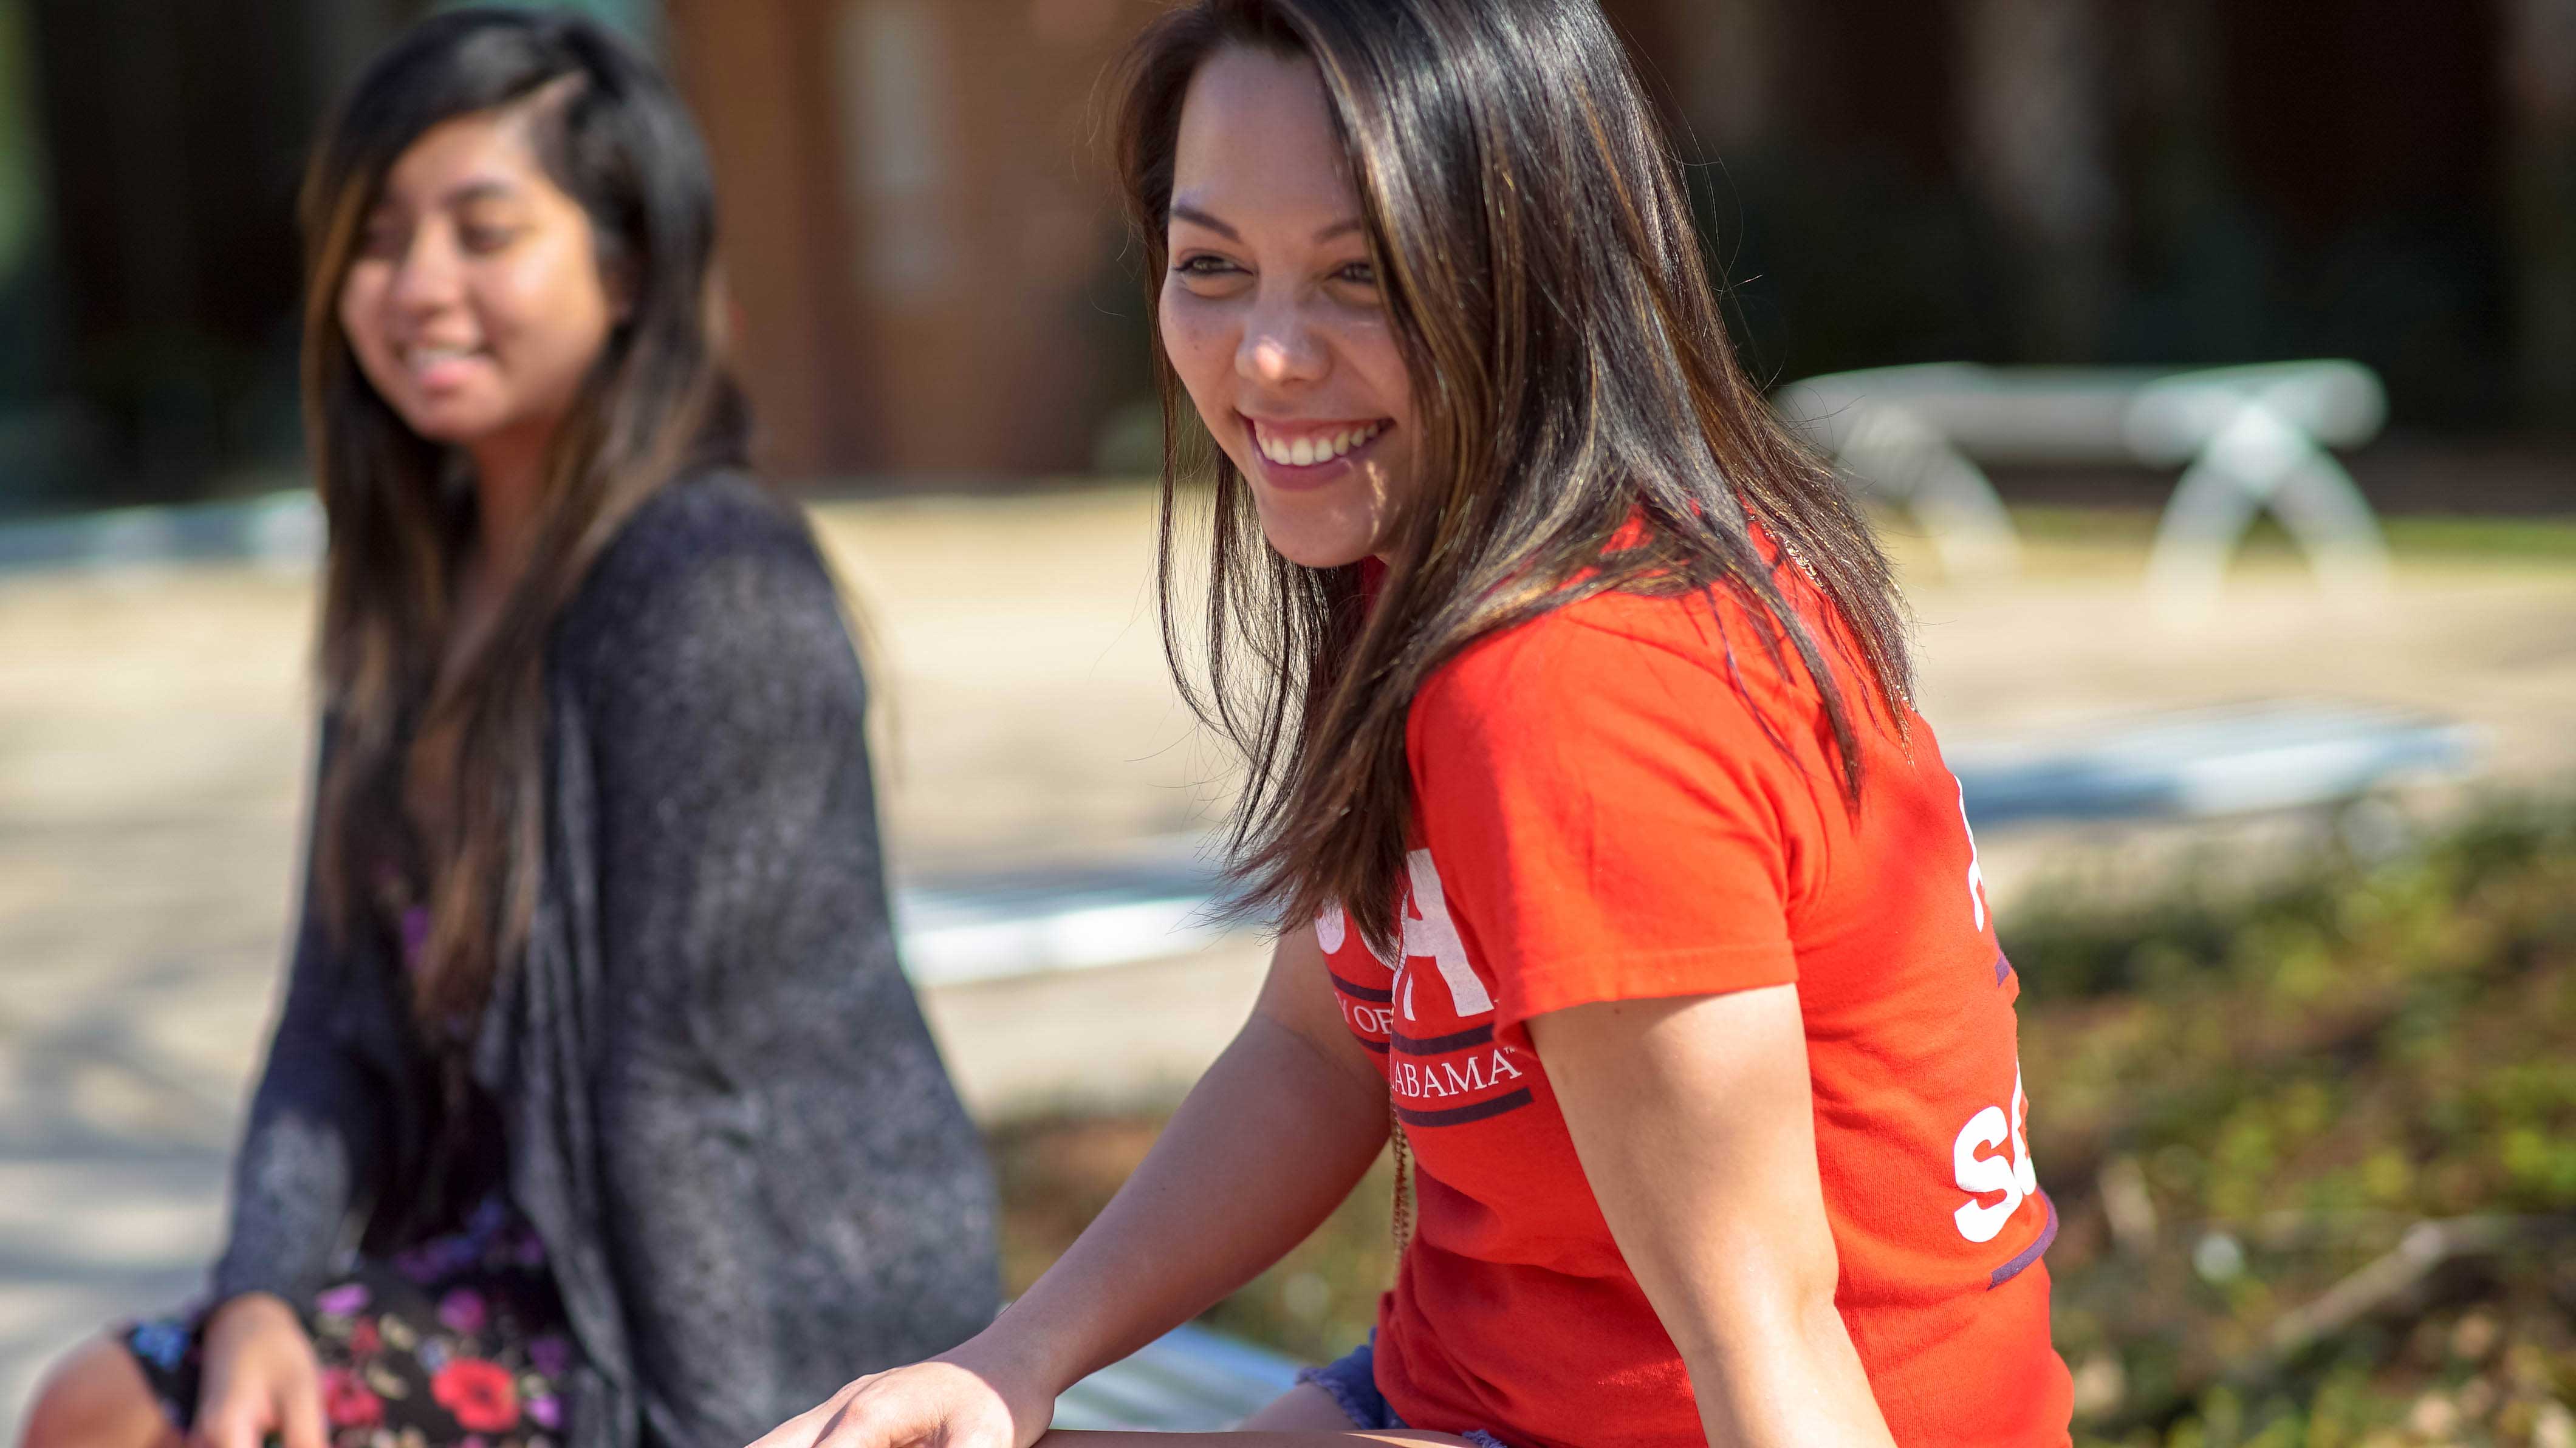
1352, 1381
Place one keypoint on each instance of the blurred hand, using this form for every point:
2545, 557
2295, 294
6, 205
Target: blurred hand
261, 1378
962, 1399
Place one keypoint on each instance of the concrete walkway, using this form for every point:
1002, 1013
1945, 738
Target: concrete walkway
153, 737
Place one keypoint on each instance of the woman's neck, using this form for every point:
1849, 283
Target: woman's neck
509, 490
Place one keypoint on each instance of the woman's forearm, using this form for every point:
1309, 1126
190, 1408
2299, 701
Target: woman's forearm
309, 1143
1271, 1139
1784, 1378
1354, 1439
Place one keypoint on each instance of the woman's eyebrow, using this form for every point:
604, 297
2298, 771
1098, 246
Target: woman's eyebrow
1196, 217
482, 190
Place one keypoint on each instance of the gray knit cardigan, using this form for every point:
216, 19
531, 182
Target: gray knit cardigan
723, 1111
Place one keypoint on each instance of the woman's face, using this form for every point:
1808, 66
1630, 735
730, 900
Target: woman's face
475, 303
1272, 315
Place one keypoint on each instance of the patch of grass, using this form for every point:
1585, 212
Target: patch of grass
2429, 536
2547, 539
2281, 1081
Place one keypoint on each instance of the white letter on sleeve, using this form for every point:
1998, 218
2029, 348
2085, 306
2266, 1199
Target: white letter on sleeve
1429, 931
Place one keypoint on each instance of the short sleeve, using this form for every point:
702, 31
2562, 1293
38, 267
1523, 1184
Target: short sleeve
1609, 816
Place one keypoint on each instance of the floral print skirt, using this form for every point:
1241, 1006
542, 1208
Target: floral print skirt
457, 1343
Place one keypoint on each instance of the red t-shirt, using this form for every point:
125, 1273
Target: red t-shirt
1601, 815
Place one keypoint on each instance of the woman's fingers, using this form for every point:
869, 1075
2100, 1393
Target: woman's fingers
299, 1412
225, 1419
929, 1405
892, 1418
807, 1428
261, 1378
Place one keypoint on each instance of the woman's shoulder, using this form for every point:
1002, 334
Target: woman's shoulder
713, 563
1574, 648
707, 520
1701, 662
715, 514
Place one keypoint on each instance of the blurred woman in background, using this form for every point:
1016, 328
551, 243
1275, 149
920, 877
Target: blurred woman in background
1616, 866
594, 1038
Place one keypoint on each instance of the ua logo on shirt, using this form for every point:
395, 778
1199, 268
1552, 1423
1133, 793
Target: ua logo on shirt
1445, 1068
1428, 931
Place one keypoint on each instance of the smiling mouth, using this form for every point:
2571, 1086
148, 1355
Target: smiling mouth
420, 359
1312, 448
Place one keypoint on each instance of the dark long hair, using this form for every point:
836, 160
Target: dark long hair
609, 132
1570, 374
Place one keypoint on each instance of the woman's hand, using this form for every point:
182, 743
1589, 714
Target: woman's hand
968, 1398
1269, 1141
261, 1378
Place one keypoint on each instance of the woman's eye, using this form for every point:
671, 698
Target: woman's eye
1358, 273
381, 239
1203, 266
481, 238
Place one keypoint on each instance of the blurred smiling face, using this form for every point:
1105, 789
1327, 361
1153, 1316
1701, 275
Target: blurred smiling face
475, 303
1271, 311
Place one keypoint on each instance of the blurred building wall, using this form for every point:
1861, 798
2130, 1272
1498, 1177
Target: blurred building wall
2147, 181
163, 143
149, 156
2540, 166
34, 417
2075, 181
920, 235
931, 282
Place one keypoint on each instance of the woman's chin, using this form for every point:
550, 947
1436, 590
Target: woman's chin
449, 426
1323, 528
1310, 558
1318, 542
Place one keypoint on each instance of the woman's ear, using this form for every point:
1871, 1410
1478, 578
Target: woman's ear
722, 317
617, 281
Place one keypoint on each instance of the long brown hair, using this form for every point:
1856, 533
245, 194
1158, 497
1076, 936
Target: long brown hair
1571, 376
610, 133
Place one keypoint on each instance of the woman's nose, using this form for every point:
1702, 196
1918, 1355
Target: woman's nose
428, 276
1279, 347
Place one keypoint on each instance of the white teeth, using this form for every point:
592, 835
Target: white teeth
1306, 452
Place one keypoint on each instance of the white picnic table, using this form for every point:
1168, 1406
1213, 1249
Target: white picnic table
2249, 440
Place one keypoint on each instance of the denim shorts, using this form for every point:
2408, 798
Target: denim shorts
1353, 1383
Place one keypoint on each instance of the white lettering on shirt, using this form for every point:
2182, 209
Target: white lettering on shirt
1454, 1078
2007, 1172
1428, 931
1332, 927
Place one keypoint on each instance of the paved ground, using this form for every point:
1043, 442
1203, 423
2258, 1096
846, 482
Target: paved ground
153, 735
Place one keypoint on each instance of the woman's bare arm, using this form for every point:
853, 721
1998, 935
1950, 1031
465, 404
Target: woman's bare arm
1271, 1139
1695, 1124
1268, 1142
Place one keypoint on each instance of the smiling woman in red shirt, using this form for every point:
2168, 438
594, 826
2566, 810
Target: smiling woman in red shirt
1617, 870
